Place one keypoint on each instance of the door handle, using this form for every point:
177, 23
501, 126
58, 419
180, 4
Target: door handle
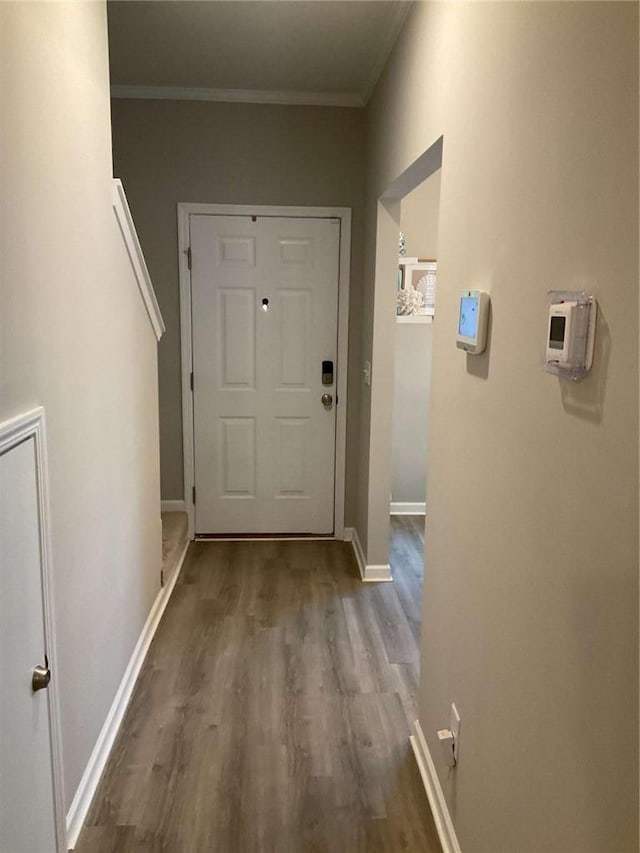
41, 676
327, 400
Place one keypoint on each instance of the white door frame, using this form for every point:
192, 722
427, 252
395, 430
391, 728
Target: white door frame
12, 433
344, 215
382, 350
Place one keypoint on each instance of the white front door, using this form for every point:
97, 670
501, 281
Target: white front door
27, 801
264, 295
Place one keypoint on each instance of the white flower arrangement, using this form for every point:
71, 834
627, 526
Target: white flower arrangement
409, 301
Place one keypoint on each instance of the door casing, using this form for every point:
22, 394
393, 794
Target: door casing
185, 210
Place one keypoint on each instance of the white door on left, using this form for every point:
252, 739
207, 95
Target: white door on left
27, 800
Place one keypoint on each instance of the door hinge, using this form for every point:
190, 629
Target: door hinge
193, 494
161, 577
189, 257
192, 380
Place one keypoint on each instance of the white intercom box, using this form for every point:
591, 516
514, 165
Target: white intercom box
570, 334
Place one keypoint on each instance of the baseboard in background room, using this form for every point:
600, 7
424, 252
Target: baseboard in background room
407, 508
172, 506
435, 794
371, 573
88, 786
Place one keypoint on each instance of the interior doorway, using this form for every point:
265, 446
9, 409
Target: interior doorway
415, 319
388, 227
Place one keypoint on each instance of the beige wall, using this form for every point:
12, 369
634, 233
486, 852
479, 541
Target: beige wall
413, 347
531, 580
75, 338
411, 393
167, 152
419, 214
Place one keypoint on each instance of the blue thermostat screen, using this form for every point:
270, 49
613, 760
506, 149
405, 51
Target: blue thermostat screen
468, 325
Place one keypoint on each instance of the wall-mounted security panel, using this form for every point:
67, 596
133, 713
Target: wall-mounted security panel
473, 321
571, 331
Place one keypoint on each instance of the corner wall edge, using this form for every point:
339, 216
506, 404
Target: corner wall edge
368, 573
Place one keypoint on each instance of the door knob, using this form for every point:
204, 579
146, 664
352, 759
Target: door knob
327, 400
41, 676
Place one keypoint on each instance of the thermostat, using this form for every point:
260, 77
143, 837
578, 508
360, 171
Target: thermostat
473, 319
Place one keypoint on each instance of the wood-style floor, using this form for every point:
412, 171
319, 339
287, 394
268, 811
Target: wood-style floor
406, 552
272, 713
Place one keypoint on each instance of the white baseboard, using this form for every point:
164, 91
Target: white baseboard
173, 577
407, 508
435, 794
377, 574
172, 506
369, 574
348, 534
81, 803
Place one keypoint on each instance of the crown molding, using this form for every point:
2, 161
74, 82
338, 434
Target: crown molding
242, 96
401, 10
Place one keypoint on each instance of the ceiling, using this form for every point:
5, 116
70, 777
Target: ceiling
283, 51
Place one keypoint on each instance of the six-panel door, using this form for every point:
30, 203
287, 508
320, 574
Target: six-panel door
264, 318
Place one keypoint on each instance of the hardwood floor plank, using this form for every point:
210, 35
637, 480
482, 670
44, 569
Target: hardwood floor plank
407, 566
272, 713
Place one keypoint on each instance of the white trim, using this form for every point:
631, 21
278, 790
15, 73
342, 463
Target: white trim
342, 371
172, 506
347, 535
407, 508
13, 432
377, 574
81, 803
275, 538
435, 794
242, 96
138, 263
185, 211
186, 363
299, 211
414, 318
368, 574
401, 10
173, 577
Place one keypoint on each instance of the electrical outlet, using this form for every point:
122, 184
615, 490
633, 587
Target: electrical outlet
454, 725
